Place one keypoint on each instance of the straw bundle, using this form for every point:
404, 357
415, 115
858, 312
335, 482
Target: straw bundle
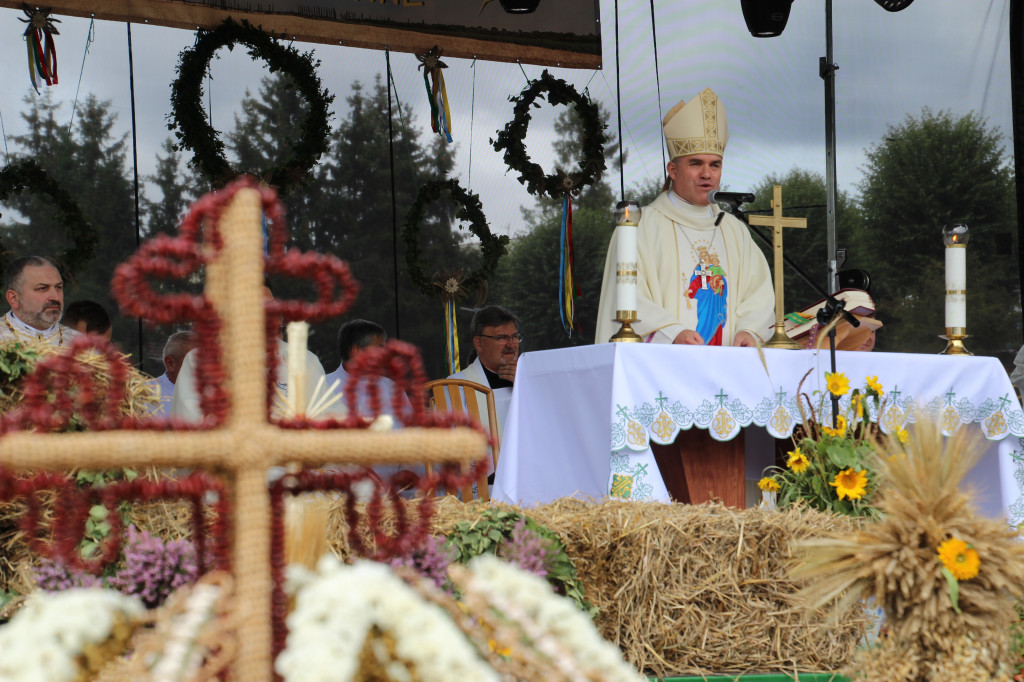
896, 561
689, 589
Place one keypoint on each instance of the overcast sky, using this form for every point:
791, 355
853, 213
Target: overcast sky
942, 54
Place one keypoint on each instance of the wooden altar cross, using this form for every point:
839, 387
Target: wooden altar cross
777, 222
246, 445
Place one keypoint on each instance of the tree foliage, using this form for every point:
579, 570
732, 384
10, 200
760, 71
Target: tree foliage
928, 172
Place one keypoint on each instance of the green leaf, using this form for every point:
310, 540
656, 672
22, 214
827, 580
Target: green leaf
954, 588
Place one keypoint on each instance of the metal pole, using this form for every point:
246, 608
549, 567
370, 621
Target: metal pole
827, 70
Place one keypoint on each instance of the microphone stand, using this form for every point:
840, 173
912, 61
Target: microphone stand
833, 306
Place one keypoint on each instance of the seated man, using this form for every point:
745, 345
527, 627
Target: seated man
354, 339
496, 340
88, 317
176, 348
35, 291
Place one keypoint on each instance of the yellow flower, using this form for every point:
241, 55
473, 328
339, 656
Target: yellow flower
850, 484
769, 485
903, 435
857, 403
496, 648
840, 429
874, 384
798, 461
960, 558
837, 383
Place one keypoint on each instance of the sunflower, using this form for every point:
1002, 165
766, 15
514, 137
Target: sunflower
903, 435
769, 485
850, 484
798, 461
960, 558
874, 385
837, 383
839, 431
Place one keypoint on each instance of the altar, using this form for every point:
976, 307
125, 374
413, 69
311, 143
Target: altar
582, 420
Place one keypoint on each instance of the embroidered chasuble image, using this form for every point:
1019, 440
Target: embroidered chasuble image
706, 285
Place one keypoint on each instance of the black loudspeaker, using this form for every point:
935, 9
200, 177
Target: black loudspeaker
520, 6
766, 18
854, 279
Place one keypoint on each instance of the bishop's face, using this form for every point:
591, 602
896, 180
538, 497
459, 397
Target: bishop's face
40, 301
694, 176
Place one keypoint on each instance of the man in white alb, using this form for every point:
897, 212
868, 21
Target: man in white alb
35, 291
701, 280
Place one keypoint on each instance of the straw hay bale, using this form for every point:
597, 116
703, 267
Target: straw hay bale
688, 589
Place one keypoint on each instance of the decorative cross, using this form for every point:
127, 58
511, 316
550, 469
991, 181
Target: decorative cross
245, 445
776, 221
721, 395
780, 394
704, 270
622, 412
661, 400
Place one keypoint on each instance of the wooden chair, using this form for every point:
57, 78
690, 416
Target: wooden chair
460, 396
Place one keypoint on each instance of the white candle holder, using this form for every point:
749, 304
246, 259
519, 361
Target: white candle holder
955, 237
627, 217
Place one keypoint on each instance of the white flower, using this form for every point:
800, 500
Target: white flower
43, 640
336, 607
555, 615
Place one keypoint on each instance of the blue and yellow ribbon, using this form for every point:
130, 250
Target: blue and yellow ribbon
451, 336
567, 287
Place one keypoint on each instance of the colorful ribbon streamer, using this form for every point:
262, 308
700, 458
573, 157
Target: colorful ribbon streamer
433, 80
451, 336
567, 287
42, 50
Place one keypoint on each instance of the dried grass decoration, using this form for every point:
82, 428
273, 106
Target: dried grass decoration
942, 574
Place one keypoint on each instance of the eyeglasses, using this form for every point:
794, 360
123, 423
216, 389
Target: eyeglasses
503, 338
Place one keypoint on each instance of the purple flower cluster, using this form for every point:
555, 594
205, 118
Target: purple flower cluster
153, 569
56, 576
431, 561
527, 549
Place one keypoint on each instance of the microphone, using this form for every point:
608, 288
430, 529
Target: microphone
734, 198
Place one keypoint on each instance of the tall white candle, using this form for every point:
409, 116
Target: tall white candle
298, 337
625, 267
956, 286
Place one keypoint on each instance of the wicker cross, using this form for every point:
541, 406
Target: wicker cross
245, 445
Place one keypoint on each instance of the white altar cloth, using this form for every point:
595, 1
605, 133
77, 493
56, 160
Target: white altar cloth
581, 420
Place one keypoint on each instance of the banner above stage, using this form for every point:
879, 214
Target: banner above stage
563, 33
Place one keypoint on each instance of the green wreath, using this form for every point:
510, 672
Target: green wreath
512, 138
492, 247
194, 132
27, 175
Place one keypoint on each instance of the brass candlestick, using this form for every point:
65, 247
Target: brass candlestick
626, 333
955, 341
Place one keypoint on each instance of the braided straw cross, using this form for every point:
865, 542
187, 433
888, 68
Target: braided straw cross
245, 445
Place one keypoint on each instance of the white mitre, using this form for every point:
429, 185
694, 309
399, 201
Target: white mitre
696, 128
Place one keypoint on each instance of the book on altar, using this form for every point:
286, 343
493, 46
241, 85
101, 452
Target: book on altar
803, 326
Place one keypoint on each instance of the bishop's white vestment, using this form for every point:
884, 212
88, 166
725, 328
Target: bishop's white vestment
692, 274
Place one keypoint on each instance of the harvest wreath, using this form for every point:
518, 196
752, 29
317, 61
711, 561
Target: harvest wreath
192, 127
512, 139
27, 175
492, 247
